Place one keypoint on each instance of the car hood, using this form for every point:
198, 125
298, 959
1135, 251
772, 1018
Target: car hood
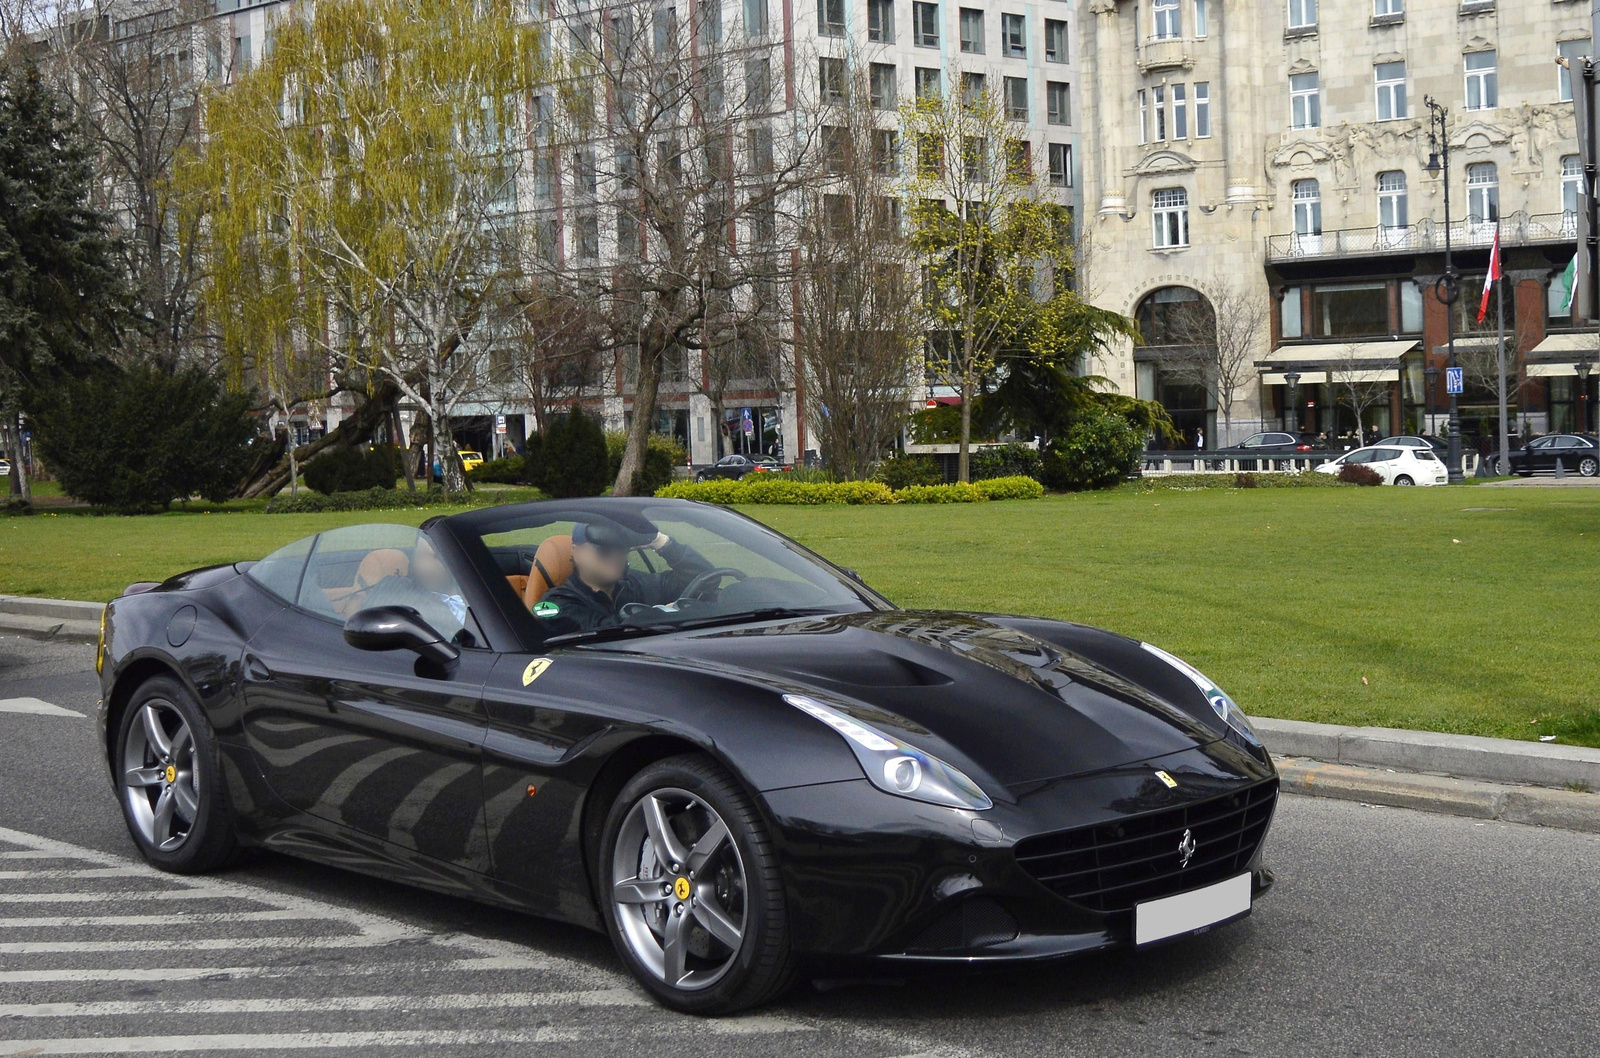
964, 687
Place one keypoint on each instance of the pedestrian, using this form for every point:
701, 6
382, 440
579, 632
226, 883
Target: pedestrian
1200, 439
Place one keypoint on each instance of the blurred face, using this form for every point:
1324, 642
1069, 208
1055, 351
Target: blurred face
428, 571
600, 567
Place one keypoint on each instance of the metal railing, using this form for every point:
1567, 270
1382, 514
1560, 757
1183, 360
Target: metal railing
1516, 229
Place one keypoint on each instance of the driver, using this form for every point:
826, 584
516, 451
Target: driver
602, 583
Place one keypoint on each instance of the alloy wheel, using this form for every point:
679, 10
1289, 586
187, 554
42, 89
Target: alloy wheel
160, 782
1587, 467
678, 889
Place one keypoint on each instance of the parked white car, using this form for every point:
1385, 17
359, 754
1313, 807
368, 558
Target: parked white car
1395, 464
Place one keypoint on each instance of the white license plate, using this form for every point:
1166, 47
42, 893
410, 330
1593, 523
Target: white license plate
1173, 916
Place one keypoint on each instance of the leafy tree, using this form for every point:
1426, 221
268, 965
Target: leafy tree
359, 191
62, 300
112, 439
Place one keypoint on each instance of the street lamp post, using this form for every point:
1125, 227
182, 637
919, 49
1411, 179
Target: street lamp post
1431, 374
1448, 289
1292, 380
1582, 402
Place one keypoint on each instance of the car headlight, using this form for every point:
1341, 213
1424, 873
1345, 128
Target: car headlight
1226, 708
894, 766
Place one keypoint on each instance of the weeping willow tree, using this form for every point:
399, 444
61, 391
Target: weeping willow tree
358, 197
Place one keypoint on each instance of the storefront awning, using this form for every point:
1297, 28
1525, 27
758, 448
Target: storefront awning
1307, 378
1567, 348
1389, 350
1549, 370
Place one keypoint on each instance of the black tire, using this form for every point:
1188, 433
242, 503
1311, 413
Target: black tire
763, 965
208, 840
700, 479
1404, 479
1587, 467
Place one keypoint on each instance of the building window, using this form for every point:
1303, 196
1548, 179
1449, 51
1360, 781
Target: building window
1180, 112
883, 77
1392, 211
971, 31
1202, 109
1305, 101
885, 152
1572, 51
758, 83
830, 18
1307, 197
927, 83
1483, 192
1391, 81
835, 149
1058, 102
1014, 32
1061, 165
1017, 98
1158, 109
1169, 212
880, 21
1387, 8
830, 79
975, 158
971, 88
1055, 40
1291, 313
760, 141
1571, 186
1144, 116
1019, 160
1168, 19
1483, 91
1199, 18
925, 25
755, 18
1302, 14
588, 235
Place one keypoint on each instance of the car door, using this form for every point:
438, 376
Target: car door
1540, 454
378, 742
1386, 461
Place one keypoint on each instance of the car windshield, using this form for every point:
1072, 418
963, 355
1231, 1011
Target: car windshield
596, 569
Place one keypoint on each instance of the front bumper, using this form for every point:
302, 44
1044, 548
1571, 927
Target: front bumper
873, 876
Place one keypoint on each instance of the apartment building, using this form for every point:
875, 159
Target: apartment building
1280, 149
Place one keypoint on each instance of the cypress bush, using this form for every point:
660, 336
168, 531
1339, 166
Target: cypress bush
352, 468
572, 457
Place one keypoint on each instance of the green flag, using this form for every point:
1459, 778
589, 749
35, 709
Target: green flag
1566, 282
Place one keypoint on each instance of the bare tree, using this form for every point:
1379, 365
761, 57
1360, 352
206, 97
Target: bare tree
1358, 384
673, 147
858, 311
550, 349
1220, 340
741, 347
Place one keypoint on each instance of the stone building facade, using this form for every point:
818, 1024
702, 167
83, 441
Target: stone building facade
1279, 149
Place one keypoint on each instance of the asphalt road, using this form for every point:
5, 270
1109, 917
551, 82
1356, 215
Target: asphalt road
1390, 933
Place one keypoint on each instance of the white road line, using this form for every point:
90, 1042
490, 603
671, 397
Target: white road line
78, 872
29, 854
284, 1041
170, 974
198, 919
37, 706
84, 947
107, 898
608, 997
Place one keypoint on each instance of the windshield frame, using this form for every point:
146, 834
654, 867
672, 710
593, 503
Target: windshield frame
466, 532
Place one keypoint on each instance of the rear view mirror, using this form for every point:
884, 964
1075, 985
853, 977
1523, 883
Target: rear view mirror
398, 628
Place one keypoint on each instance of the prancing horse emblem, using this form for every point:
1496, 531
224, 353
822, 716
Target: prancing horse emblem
1186, 849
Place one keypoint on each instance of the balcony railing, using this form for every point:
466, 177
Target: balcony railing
1161, 53
1516, 229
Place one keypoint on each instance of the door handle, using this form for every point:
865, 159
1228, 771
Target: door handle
256, 669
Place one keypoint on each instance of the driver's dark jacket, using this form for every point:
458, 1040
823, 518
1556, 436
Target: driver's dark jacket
583, 608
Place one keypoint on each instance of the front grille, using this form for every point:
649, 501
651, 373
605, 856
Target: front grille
1112, 866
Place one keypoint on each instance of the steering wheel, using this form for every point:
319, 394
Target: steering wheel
698, 588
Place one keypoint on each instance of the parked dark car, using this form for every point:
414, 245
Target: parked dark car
1578, 455
777, 770
1266, 444
737, 466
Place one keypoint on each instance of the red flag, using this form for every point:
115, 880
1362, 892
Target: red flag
1494, 275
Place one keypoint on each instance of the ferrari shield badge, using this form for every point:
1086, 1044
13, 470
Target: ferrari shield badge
545, 609
535, 669
1169, 781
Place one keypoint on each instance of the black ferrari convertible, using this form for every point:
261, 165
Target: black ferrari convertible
664, 720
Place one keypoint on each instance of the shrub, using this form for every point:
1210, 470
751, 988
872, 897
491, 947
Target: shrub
1096, 453
1013, 460
507, 470
959, 492
662, 455
532, 458
572, 457
138, 438
1359, 474
391, 499
904, 471
1193, 482
348, 468
1244, 481
767, 488
1015, 487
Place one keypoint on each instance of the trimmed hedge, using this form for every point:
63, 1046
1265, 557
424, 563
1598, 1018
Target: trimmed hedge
394, 499
900, 472
352, 468
1191, 482
768, 489
507, 470
1007, 461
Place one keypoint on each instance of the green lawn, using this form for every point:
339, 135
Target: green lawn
1461, 609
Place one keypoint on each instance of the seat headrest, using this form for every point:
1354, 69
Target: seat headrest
552, 565
384, 562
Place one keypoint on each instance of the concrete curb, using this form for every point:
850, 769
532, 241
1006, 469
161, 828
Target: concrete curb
63, 619
1442, 793
1496, 760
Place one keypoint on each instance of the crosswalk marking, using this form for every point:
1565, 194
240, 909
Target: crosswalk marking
329, 966
37, 706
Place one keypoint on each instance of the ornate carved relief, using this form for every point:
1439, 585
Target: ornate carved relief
1162, 163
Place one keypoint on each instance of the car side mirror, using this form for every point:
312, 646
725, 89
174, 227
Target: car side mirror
399, 628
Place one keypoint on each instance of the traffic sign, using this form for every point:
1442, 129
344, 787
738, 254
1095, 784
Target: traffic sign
748, 425
499, 424
1452, 380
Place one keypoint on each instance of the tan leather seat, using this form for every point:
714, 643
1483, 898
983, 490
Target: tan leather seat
384, 562
518, 582
552, 565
